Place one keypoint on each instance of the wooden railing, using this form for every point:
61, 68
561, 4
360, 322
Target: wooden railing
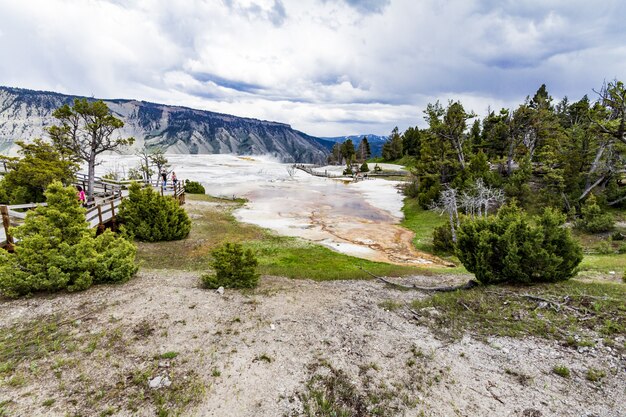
101, 213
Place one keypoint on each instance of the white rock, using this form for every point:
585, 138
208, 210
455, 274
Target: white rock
220, 291
272, 326
159, 382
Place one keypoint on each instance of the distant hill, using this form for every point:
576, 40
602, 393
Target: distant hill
376, 142
24, 114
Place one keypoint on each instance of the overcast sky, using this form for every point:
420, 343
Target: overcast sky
327, 67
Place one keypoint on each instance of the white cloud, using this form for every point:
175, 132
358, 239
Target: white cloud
327, 67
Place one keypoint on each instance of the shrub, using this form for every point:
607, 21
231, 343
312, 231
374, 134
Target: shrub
513, 247
234, 268
593, 219
153, 218
194, 187
442, 239
56, 250
364, 167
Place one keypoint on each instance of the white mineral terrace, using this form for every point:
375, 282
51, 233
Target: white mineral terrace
359, 219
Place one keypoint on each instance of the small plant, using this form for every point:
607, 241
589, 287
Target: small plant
263, 358
49, 402
377, 168
595, 375
605, 247
390, 305
364, 167
216, 373
561, 370
442, 239
168, 355
593, 219
234, 268
194, 187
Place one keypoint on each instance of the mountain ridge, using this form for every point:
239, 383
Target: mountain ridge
25, 113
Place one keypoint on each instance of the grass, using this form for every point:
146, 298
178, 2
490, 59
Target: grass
595, 375
551, 311
422, 223
277, 255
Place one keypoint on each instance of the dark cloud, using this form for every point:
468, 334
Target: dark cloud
226, 83
368, 6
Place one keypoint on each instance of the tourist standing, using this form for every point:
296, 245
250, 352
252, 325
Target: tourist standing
81, 195
164, 176
174, 179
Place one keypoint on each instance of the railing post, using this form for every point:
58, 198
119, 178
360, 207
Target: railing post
112, 210
99, 214
6, 223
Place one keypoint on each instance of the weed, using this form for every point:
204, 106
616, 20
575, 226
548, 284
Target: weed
595, 375
390, 305
168, 355
49, 402
216, 373
263, 358
561, 370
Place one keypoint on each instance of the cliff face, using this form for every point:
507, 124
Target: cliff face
24, 115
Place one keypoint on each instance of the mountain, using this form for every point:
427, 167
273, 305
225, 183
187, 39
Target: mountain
376, 142
24, 115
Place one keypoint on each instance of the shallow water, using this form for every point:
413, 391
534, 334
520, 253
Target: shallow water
359, 219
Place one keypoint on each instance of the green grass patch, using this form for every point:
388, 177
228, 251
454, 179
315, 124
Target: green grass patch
604, 263
277, 255
552, 311
422, 223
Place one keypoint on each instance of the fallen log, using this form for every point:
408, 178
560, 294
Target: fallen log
469, 284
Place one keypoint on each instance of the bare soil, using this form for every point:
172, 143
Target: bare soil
255, 353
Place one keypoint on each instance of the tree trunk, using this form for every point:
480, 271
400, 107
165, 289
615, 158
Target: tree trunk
91, 176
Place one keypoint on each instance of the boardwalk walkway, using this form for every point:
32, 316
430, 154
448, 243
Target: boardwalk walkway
108, 196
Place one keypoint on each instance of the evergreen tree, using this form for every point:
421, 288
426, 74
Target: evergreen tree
56, 250
152, 217
28, 177
392, 148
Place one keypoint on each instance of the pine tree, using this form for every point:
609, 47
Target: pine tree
56, 250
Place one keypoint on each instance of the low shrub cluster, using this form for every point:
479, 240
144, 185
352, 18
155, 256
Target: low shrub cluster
234, 268
194, 187
56, 250
151, 217
514, 247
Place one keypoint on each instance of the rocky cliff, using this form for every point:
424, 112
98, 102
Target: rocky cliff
24, 115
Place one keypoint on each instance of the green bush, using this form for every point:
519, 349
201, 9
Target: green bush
234, 268
153, 218
364, 167
514, 247
194, 187
593, 219
56, 250
442, 239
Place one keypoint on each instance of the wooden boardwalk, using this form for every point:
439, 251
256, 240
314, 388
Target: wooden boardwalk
108, 196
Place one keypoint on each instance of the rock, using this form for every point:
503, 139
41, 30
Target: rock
220, 291
611, 272
159, 382
272, 326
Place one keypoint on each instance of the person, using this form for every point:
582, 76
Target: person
174, 179
164, 176
81, 195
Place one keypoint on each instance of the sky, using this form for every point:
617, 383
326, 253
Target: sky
326, 67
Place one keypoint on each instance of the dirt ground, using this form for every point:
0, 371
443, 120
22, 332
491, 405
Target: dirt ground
256, 353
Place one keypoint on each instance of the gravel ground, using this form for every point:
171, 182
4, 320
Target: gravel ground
252, 353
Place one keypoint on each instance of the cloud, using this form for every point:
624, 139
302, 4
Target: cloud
327, 67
